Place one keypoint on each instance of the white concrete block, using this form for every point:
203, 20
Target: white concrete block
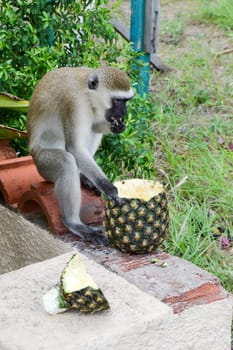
132, 321
137, 320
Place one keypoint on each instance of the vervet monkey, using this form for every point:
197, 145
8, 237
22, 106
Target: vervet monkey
70, 110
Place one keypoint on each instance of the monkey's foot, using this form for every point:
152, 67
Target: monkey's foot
94, 234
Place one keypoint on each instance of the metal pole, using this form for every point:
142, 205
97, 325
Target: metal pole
142, 62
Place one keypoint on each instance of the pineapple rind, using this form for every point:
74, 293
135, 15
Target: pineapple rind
90, 298
140, 226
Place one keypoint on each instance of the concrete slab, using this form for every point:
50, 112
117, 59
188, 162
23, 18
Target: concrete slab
136, 320
133, 321
132, 284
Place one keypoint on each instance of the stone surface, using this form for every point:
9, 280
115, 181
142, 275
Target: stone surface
179, 283
23, 243
136, 319
133, 320
195, 314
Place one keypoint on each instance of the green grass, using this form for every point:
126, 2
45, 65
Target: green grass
219, 12
201, 203
204, 200
171, 32
194, 109
191, 238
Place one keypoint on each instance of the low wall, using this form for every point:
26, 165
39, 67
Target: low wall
23, 243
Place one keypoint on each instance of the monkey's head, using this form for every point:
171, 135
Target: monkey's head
114, 89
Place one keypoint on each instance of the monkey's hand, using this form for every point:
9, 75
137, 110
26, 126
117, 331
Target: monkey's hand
114, 196
109, 189
116, 199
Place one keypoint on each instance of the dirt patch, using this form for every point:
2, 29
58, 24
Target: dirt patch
180, 36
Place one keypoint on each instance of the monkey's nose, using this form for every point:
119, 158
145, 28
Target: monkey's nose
116, 118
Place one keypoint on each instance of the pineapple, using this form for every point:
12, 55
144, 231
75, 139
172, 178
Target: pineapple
140, 223
77, 290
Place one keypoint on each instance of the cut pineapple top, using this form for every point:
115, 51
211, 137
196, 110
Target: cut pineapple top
75, 276
139, 188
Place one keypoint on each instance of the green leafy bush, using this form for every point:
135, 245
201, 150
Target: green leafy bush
38, 36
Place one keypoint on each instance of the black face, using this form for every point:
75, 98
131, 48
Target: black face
116, 115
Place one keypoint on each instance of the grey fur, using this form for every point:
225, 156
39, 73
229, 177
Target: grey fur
66, 121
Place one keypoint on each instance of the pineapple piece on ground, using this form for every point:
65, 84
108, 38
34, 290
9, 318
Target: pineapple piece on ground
77, 290
140, 223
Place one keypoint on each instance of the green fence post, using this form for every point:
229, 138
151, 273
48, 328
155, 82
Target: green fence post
142, 62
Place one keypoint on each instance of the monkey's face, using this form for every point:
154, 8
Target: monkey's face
116, 115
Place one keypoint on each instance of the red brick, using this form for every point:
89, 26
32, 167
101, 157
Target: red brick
16, 177
204, 294
6, 150
42, 198
180, 284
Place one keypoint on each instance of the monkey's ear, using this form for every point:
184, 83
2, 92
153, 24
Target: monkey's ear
93, 82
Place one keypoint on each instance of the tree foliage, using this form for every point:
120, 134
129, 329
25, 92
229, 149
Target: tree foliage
37, 36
